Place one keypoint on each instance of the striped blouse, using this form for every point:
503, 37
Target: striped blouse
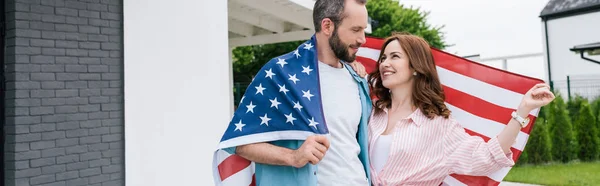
425, 151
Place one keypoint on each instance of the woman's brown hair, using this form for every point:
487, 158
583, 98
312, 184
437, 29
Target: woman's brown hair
427, 94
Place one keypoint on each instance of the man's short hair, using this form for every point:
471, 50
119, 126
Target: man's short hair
332, 9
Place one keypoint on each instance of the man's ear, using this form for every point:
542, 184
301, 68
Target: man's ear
327, 26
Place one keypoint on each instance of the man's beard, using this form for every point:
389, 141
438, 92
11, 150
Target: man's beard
340, 49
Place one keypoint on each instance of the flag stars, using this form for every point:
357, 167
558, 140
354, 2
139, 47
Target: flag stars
307, 94
313, 123
250, 107
289, 118
238, 126
297, 54
283, 89
306, 70
275, 103
259, 89
308, 46
270, 74
281, 62
264, 120
293, 78
298, 106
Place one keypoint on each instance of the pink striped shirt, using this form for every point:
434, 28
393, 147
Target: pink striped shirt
425, 151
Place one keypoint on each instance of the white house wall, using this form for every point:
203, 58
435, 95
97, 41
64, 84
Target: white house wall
564, 33
177, 90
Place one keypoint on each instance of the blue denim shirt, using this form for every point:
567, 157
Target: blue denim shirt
274, 175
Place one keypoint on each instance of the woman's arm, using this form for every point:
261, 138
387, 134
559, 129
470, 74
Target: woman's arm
536, 97
471, 155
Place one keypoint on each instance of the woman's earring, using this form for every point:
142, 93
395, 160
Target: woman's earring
414, 73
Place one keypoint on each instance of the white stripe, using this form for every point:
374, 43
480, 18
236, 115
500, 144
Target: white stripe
484, 126
368, 53
490, 93
453, 181
241, 178
221, 155
264, 137
500, 174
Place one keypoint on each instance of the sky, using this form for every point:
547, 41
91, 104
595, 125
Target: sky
491, 29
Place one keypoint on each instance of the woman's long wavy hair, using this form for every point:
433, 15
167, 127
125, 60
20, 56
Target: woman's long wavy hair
427, 94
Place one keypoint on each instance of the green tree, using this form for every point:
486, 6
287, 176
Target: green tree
596, 111
542, 113
394, 17
574, 105
389, 15
587, 134
539, 146
523, 159
564, 145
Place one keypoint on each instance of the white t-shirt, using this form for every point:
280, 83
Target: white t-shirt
342, 108
381, 150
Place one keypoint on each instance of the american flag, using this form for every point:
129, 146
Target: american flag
283, 102
480, 97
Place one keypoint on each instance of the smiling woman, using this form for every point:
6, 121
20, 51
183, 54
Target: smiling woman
411, 123
421, 69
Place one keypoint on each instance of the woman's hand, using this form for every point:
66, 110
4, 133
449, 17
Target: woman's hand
359, 68
538, 96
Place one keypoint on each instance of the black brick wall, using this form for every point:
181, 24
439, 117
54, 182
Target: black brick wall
64, 93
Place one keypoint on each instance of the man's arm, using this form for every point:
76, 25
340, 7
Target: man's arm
266, 153
312, 150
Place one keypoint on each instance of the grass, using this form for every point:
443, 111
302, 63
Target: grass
579, 173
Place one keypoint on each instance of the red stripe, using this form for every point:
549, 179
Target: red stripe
232, 165
481, 108
516, 152
500, 78
374, 43
369, 64
475, 180
253, 180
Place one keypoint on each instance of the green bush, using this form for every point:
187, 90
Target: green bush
596, 111
574, 105
564, 145
542, 113
587, 134
539, 146
523, 159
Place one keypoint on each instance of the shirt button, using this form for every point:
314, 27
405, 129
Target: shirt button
315, 173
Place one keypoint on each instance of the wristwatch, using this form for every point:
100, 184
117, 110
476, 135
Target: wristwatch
523, 121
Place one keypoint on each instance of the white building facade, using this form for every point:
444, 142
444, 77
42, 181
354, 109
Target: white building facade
566, 24
126, 92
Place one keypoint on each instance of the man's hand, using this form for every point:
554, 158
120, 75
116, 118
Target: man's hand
312, 150
359, 68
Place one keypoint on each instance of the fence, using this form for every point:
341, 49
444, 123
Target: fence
585, 86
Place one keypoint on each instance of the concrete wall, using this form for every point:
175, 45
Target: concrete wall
177, 90
64, 93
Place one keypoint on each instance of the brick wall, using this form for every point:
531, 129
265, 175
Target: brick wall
64, 93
